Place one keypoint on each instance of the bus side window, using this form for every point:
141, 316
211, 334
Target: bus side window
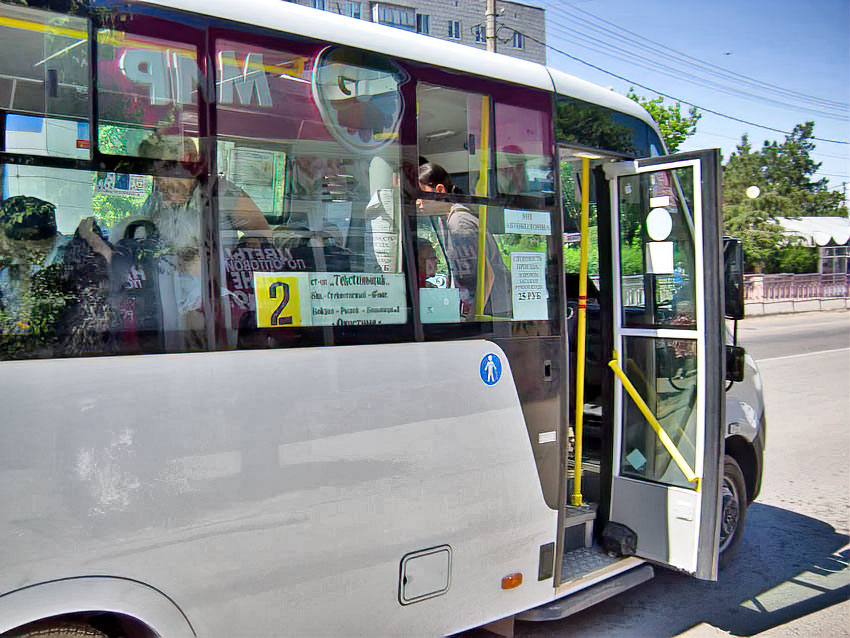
47, 79
454, 133
94, 263
523, 162
311, 135
147, 92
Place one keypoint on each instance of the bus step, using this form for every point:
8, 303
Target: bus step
588, 597
578, 526
579, 563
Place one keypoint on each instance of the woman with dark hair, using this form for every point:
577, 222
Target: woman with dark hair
458, 228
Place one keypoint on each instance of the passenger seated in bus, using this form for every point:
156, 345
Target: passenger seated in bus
427, 260
459, 229
89, 320
319, 250
175, 206
30, 272
135, 287
54, 290
511, 176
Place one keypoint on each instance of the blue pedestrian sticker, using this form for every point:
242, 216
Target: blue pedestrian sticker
491, 369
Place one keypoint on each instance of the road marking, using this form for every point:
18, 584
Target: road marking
804, 354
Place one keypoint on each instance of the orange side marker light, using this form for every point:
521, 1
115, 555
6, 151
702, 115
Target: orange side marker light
512, 581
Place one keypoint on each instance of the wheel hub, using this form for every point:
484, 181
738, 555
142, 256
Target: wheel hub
730, 513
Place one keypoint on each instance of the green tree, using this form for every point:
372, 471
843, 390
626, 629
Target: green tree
675, 128
798, 259
783, 174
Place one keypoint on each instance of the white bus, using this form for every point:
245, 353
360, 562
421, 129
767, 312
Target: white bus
286, 314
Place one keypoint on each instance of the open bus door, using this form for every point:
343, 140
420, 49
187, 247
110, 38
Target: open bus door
669, 344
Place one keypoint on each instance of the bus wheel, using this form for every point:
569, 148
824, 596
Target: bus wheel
57, 630
733, 510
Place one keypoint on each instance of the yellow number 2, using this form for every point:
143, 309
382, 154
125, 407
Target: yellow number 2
278, 301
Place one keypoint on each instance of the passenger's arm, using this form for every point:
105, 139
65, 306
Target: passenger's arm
93, 239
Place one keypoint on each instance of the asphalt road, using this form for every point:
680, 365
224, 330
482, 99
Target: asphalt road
791, 575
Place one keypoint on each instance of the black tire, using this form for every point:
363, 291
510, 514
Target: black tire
733, 510
59, 629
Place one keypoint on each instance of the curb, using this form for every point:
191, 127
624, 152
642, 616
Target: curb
789, 306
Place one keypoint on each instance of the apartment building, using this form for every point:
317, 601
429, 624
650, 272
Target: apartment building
520, 28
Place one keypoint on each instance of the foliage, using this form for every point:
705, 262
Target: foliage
675, 128
783, 173
39, 298
572, 255
631, 256
110, 209
797, 259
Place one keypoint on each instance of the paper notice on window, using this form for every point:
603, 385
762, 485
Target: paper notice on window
329, 299
122, 184
528, 282
527, 222
383, 223
659, 257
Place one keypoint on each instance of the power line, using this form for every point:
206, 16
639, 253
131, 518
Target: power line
841, 157
707, 66
667, 95
703, 131
660, 67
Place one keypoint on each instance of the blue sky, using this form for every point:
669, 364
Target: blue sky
801, 47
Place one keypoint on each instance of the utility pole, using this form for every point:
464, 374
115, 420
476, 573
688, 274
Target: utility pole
490, 22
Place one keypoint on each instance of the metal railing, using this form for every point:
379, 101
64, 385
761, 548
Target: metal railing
632, 287
806, 286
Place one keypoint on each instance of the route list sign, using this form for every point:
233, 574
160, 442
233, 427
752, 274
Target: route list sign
528, 281
294, 299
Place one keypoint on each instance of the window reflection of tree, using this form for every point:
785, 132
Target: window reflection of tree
592, 126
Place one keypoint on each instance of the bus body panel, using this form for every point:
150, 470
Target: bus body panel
248, 485
73, 595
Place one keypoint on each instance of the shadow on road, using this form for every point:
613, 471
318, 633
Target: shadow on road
788, 565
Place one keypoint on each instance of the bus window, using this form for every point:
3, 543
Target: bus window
147, 88
98, 263
461, 287
311, 136
454, 132
523, 159
494, 261
597, 127
657, 250
45, 82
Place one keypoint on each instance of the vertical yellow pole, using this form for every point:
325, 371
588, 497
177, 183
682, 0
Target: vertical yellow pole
484, 143
576, 498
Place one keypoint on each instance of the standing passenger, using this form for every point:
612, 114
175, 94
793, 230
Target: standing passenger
459, 230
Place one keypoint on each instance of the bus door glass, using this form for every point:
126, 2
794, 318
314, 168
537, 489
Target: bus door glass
668, 330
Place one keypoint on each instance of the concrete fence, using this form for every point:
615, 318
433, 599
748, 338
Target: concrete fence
796, 293
763, 294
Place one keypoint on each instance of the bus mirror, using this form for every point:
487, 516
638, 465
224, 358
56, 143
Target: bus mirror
735, 363
733, 258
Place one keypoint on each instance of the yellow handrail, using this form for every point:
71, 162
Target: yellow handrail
665, 439
576, 499
481, 277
